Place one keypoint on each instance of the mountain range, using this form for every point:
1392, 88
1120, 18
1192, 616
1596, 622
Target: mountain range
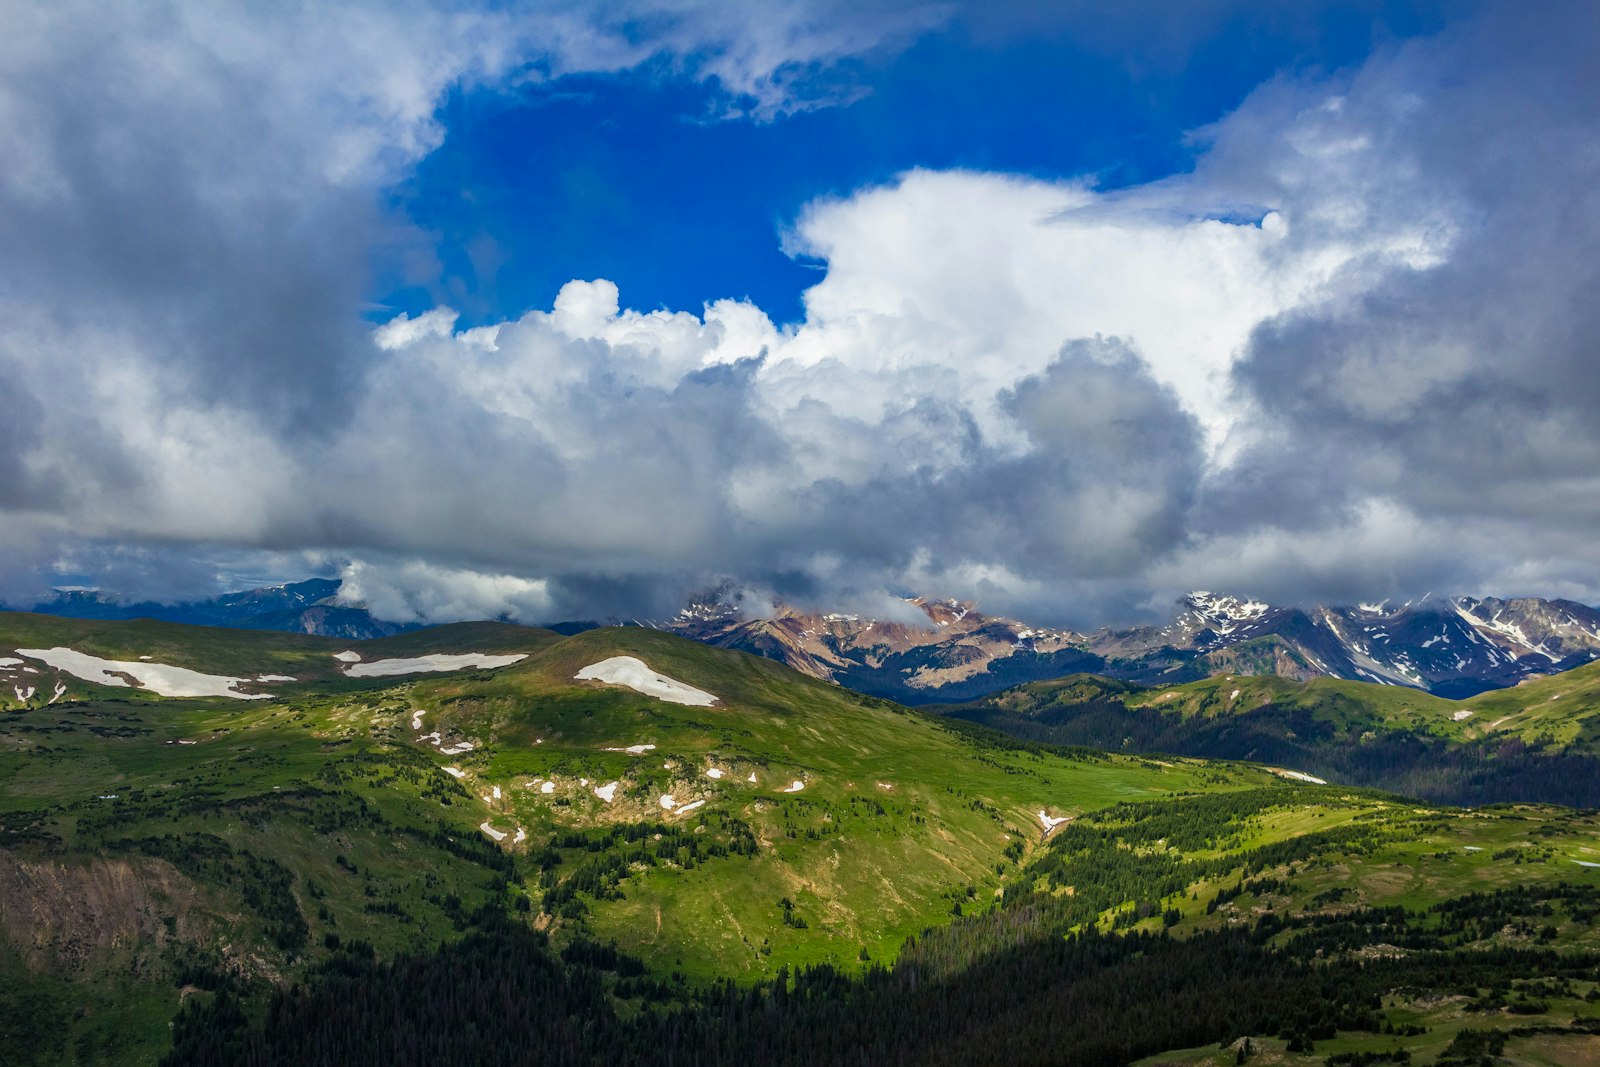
1449, 646
308, 607
951, 651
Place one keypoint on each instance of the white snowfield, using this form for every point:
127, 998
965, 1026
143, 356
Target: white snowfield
416, 720
795, 786
1461, 716
668, 801
455, 772
276, 678
752, 778
439, 661
632, 750
347, 656
498, 835
522, 835
1298, 776
548, 788
636, 675
607, 792
23, 693
159, 678
437, 741
7, 661
714, 772
1586, 863
495, 790
1049, 822
689, 807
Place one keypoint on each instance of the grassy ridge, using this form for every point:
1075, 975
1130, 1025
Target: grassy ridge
1537, 741
233, 653
898, 818
1561, 709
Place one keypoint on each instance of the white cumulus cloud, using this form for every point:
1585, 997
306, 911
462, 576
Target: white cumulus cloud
417, 591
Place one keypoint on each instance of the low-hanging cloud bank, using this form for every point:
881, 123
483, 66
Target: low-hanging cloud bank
1351, 354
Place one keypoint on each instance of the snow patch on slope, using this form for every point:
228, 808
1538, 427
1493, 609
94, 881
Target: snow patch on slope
636, 675
1298, 776
440, 661
159, 678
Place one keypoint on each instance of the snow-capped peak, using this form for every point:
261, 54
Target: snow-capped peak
1222, 607
1223, 614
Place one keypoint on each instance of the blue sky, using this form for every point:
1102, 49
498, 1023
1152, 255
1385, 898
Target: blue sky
636, 177
574, 309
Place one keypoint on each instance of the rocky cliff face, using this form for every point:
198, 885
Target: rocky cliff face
953, 652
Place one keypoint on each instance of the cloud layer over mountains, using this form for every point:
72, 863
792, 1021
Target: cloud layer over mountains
1352, 354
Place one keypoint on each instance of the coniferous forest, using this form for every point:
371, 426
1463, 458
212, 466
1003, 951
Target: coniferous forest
1025, 995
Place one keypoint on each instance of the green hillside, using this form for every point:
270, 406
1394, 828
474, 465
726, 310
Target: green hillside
897, 818
1561, 709
307, 659
349, 838
1536, 741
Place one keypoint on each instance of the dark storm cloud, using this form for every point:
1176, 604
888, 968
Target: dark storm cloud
1464, 392
153, 197
1114, 466
1100, 486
